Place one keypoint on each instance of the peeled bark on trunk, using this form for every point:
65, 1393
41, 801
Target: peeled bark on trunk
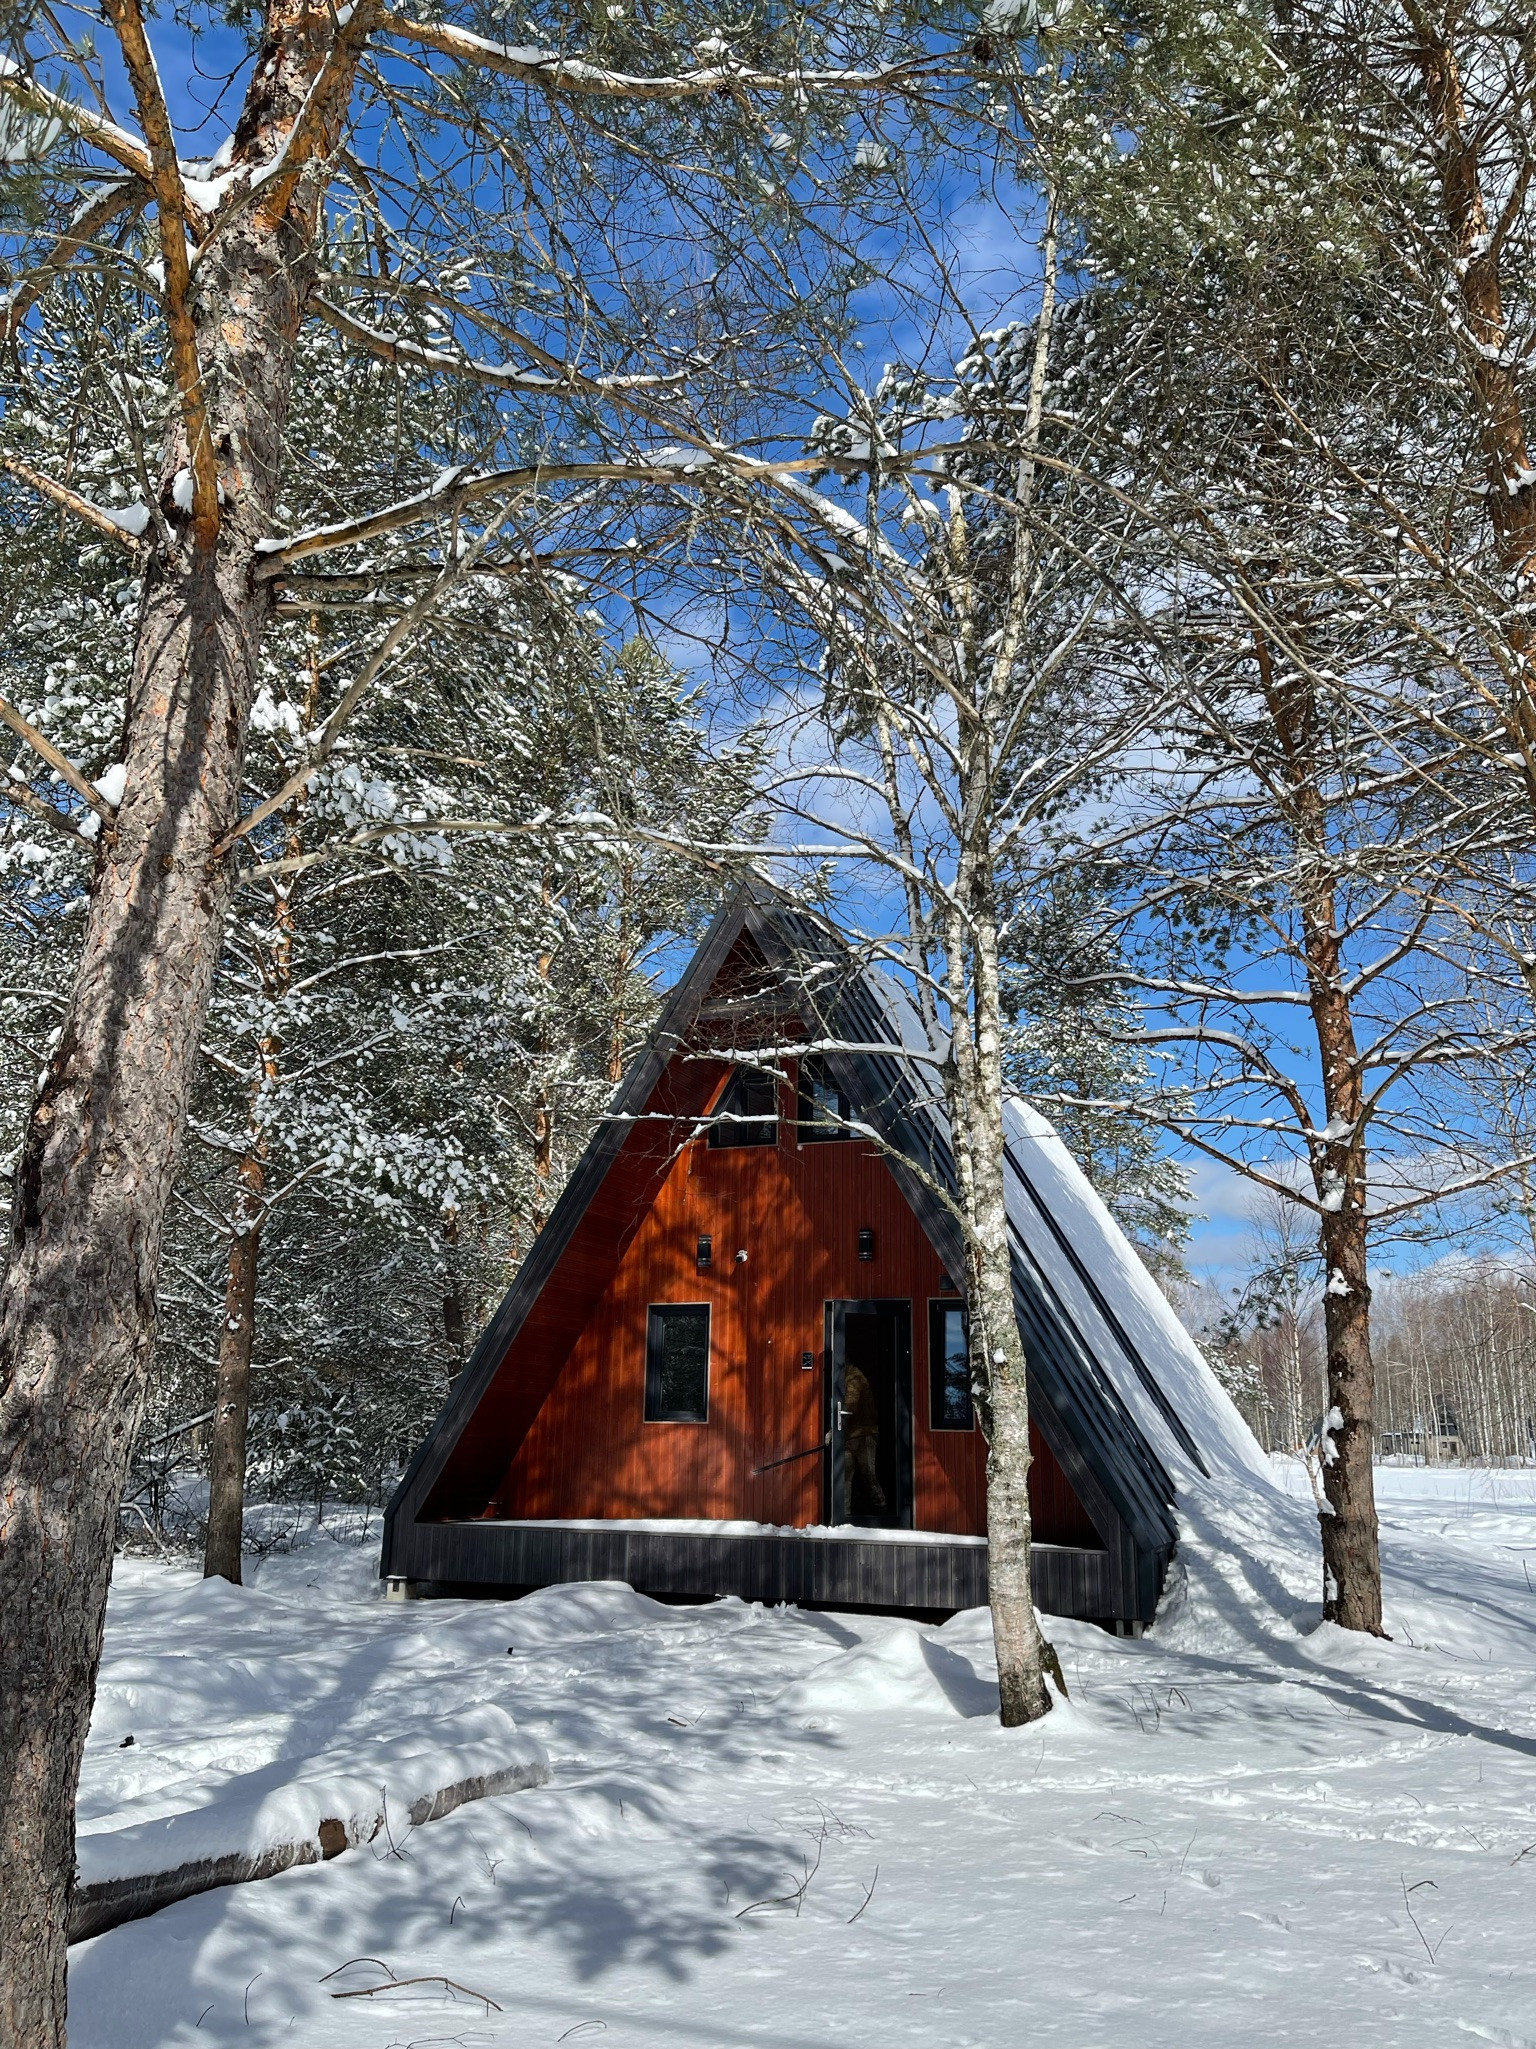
77, 1319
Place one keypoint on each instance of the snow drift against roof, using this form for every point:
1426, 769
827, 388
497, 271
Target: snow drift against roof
1132, 1298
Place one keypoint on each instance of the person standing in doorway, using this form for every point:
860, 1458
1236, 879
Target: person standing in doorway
861, 1445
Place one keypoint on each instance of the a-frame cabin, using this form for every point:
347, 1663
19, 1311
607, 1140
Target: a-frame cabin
733, 1360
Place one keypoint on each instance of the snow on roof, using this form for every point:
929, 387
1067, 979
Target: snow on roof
1121, 1314
1123, 1318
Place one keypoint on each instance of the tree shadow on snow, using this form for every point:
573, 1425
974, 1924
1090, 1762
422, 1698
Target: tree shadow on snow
1376, 1699
967, 1691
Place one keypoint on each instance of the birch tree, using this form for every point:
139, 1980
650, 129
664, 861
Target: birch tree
953, 632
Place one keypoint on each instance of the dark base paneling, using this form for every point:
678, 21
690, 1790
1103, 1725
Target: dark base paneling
812, 1572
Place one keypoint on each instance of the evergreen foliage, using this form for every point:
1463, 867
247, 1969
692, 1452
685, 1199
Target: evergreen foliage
414, 1027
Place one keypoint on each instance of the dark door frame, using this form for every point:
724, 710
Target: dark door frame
834, 1355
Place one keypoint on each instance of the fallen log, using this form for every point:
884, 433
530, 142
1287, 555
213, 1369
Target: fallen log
105, 1903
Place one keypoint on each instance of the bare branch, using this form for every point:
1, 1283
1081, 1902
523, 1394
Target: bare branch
13, 791
554, 376
97, 516
575, 78
112, 141
59, 763
88, 221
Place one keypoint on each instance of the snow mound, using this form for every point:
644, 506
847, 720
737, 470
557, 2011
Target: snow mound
903, 1672
582, 1608
320, 1569
1246, 1574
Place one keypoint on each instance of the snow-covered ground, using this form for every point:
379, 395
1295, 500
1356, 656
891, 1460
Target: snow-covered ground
790, 1831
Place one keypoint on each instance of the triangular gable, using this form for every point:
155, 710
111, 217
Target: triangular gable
1114, 1470
762, 956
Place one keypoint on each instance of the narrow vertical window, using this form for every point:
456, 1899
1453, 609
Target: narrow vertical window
677, 1363
949, 1369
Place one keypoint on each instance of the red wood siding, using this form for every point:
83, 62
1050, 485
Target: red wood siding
565, 1435
561, 1314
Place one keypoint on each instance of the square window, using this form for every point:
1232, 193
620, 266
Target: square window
748, 1110
949, 1369
823, 1110
677, 1363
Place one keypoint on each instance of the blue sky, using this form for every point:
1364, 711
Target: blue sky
989, 243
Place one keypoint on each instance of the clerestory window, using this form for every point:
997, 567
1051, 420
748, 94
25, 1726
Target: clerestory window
823, 1110
748, 1110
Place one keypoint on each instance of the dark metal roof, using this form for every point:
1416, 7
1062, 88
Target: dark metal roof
846, 1001
858, 1004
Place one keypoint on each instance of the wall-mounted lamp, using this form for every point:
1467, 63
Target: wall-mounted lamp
706, 1256
807, 1362
947, 1286
866, 1243
741, 1259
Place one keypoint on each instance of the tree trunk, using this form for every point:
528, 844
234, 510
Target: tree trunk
999, 1367
77, 1318
454, 1321
1494, 363
622, 963
1350, 1538
232, 1402
242, 1266
544, 1110
1351, 1547
1023, 1693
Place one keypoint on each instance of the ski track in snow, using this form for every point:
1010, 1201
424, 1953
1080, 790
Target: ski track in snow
1226, 1837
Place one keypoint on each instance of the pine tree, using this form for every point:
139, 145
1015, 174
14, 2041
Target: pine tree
599, 368
1297, 850
1072, 1051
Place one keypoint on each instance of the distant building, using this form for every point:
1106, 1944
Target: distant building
1432, 1441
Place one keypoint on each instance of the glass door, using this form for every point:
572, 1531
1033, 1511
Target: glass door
869, 1424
